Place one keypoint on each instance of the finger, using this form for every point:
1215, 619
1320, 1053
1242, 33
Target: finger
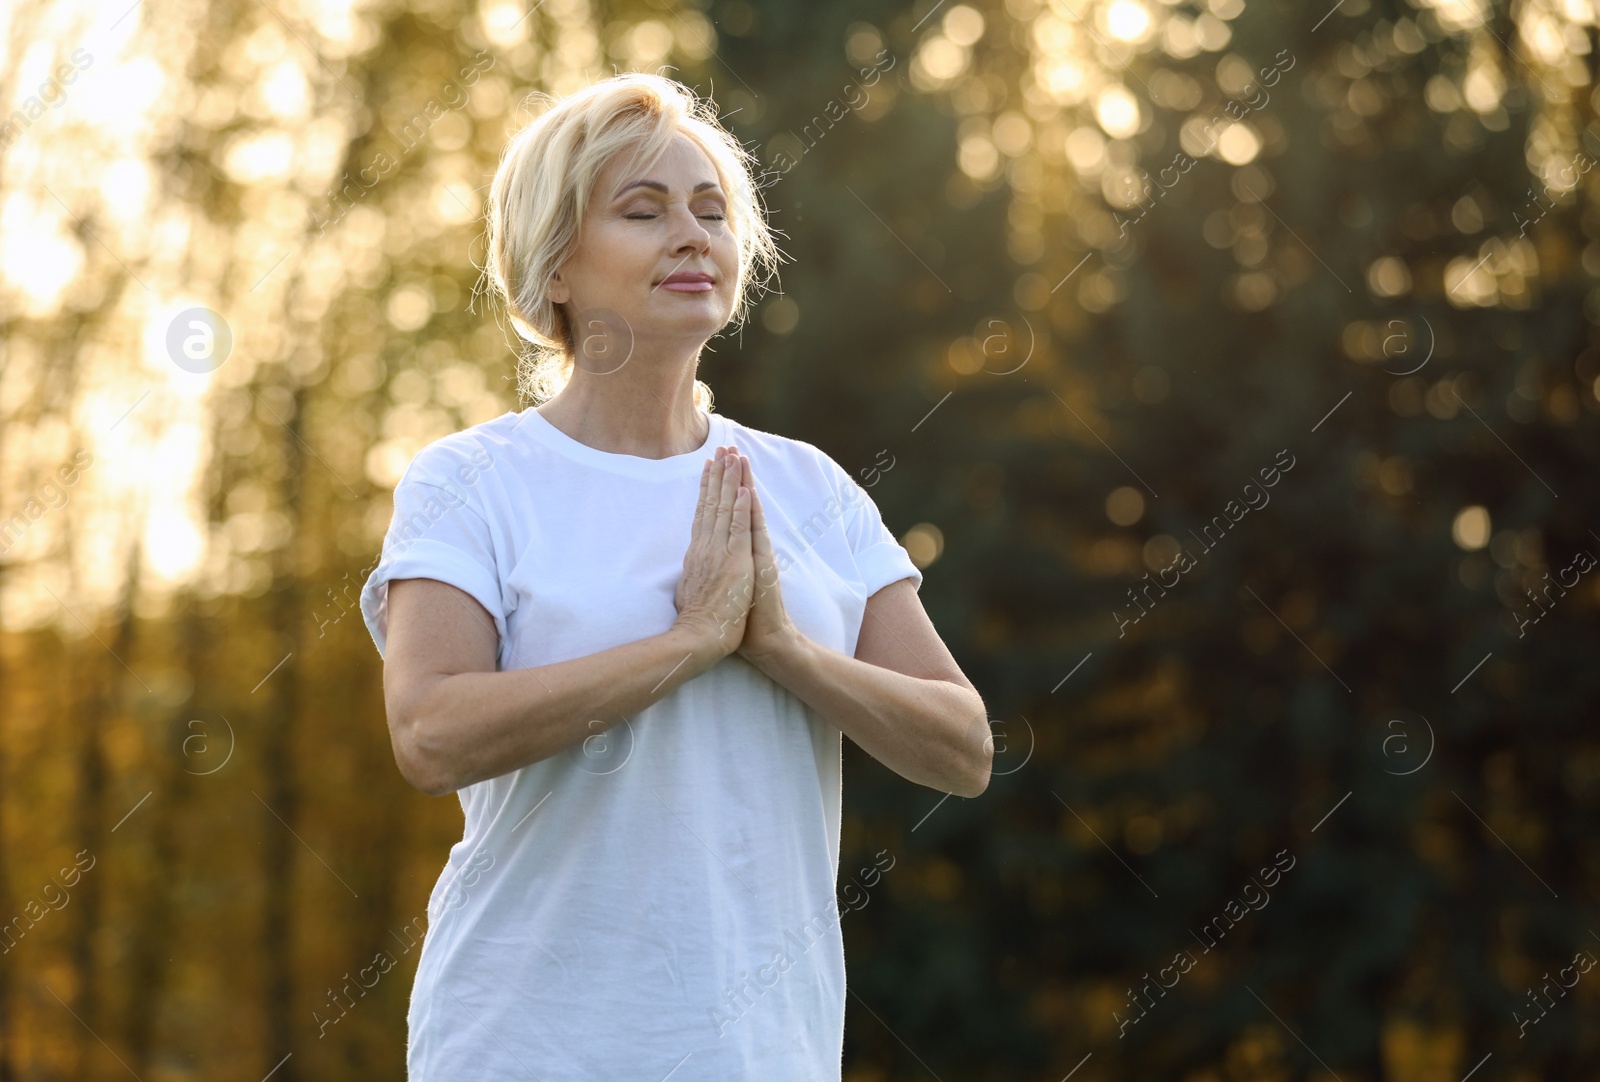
700, 503
739, 524
758, 525
742, 496
727, 494
766, 563
713, 493
748, 479
758, 518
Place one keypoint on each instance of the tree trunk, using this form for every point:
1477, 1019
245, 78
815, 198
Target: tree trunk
106, 671
174, 779
281, 793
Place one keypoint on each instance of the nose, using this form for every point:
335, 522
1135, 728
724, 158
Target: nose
689, 235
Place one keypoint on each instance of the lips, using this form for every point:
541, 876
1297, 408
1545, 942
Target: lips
688, 282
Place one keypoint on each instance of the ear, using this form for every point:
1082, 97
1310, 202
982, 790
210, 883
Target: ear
558, 289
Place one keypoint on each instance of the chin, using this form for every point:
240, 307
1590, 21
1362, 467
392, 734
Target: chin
711, 313
699, 326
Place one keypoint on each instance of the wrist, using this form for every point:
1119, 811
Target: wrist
788, 652
699, 642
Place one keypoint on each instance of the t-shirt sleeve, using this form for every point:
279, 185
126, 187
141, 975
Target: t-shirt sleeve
436, 533
880, 559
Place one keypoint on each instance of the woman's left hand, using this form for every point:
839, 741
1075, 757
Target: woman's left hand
767, 630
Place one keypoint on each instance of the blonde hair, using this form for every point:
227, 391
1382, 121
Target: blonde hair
546, 178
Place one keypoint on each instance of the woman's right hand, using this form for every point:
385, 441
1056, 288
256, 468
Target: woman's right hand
718, 584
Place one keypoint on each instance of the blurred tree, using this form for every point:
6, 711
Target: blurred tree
1343, 190
1378, 263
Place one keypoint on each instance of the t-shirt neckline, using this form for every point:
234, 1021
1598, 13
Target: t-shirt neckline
653, 469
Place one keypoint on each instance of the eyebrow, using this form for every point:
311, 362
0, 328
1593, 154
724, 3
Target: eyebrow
656, 185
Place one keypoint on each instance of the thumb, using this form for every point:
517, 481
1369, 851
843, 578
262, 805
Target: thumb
761, 546
758, 525
739, 527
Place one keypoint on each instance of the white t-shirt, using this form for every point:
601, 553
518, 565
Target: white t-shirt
660, 898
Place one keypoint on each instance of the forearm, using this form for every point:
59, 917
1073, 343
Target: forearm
478, 725
933, 732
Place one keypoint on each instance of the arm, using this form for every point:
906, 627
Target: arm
902, 698
454, 720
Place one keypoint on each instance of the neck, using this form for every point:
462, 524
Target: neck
643, 408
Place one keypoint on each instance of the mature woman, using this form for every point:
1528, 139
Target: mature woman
633, 661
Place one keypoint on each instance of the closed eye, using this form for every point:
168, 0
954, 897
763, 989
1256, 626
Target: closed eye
647, 217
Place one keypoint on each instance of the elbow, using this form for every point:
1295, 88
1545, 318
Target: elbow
980, 780
976, 779
974, 769
982, 766
420, 776
419, 763
429, 785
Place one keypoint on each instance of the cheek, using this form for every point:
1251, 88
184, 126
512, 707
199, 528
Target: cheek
725, 250
618, 256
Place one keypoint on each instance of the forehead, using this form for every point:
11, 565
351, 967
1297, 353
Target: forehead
682, 165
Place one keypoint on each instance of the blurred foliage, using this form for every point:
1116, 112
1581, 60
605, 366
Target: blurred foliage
1380, 263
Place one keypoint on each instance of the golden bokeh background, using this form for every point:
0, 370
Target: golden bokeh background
240, 244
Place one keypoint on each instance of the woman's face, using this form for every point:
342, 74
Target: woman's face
655, 258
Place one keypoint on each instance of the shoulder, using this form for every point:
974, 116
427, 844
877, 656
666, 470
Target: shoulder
460, 458
796, 469
793, 457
